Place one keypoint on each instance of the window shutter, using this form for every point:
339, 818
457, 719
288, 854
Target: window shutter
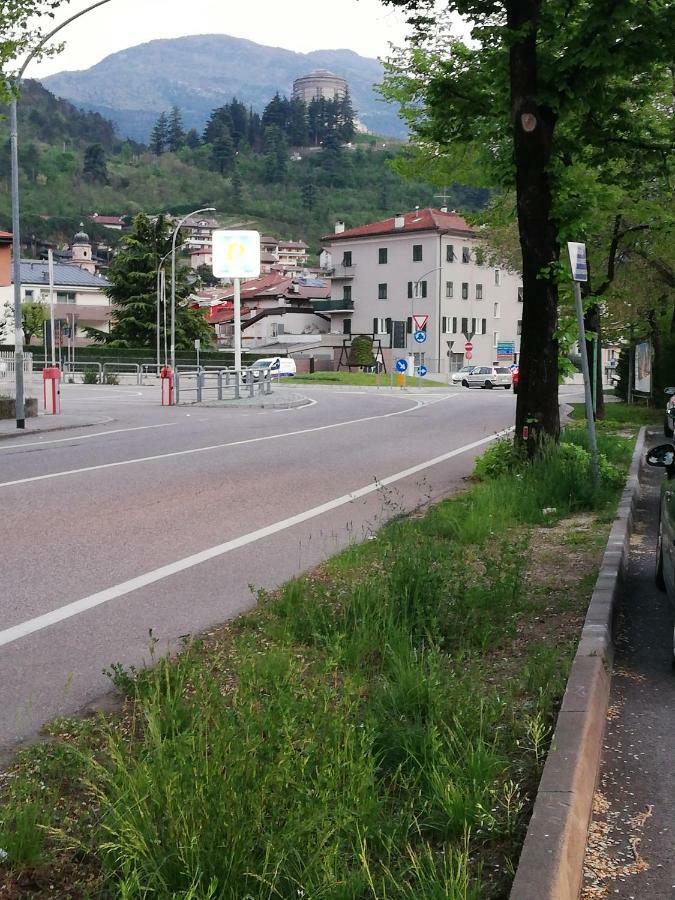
408, 325
410, 292
374, 326
387, 323
444, 326
424, 288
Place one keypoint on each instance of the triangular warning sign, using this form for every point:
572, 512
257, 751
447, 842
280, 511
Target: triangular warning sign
420, 322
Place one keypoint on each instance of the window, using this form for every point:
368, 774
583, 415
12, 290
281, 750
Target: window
347, 326
347, 258
417, 289
347, 292
483, 326
454, 325
417, 253
465, 326
379, 326
387, 325
520, 294
408, 324
444, 325
473, 326
422, 289
497, 311
382, 255
479, 292
495, 338
382, 291
418, 359
65, 297
466, 254
449, 289
498, 277
450, 253
465, 290
519, 329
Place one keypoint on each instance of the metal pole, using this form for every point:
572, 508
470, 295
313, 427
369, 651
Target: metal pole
16, 265
159, 299
237, 324
166, 346
50, 258
587, 385
595, 375
631, 367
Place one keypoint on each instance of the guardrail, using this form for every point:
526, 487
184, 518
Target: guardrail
223, 384
120, 369
74, 367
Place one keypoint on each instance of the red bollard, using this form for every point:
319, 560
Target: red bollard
51, 395
167, 379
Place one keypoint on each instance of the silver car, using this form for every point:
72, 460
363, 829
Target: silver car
458, 376
488, 377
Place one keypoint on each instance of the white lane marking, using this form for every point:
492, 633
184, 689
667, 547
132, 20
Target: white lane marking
175, 453
9, 635
295, 408
85, 437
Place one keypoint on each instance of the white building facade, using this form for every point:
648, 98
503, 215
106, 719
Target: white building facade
425, 263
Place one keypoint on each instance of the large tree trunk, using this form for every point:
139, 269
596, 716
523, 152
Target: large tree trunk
537, 414
592, 324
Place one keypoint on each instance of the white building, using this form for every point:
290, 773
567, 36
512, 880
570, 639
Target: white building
426, 262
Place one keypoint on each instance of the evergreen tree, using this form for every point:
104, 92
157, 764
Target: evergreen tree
222, 151
333, 161
277, 113
308, 190
255, 131
192, 139
160, 135
132, 290
297, 122
95, 168
314, 120
175, 133
220, 120
236, 187
276, 154
239, 123
345, 118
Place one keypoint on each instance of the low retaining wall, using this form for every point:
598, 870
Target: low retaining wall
551, 863
8, 407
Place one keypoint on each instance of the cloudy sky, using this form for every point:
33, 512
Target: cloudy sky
365, 26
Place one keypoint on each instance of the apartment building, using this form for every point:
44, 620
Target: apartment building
427, 262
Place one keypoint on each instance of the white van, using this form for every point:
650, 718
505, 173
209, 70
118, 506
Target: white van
277, 366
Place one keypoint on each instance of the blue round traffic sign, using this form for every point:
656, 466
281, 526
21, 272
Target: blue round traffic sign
420, 336
422, 370
401, 365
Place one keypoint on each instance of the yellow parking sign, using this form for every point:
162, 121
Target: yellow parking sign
236, 254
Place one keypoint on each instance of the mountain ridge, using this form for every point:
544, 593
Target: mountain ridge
133, 86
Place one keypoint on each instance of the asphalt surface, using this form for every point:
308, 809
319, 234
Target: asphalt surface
632, 835
169, 518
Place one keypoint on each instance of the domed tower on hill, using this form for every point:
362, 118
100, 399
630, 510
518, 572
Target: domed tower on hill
320, 84
82, 251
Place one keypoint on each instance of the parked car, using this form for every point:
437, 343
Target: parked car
514, 378
488, 377
458, 376
281, 366
669, 418
663, 456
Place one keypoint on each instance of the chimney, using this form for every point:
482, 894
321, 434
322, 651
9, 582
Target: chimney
399, 220
339, 227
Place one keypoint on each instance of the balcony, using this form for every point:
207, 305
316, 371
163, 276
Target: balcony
332, 306
342, 272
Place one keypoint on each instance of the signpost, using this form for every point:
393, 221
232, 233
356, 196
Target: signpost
420, 322
422, 370
236, 255
579, 266
420, 336
468, 354
401, 365
468, 347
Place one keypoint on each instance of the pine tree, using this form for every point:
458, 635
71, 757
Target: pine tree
222, 151
308, 190
95, 168
276, 154
239, 123
175, 134
297, 122
192, 139
132, 291
345, 117
236, 187
159, 136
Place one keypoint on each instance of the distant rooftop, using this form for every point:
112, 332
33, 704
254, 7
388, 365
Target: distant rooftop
35, 271
428, 219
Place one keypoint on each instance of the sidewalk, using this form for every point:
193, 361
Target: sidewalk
630, 846
40, 424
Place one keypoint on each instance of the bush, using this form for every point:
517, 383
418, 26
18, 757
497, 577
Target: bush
90, 376
499, 459
110, 378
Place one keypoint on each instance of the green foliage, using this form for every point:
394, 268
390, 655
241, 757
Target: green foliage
95, 168
19, 35
90, 376
361, 352
500, 458
33, 316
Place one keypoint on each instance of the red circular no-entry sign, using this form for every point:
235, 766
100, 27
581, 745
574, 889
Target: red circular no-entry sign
468, 354
468, 347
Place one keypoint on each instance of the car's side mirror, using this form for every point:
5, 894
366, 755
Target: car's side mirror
669, 391
662, 456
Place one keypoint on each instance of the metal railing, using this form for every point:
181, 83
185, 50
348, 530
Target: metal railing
8, 375
222, 384
120, 369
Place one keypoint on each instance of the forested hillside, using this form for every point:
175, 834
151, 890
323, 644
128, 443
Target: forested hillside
72, 164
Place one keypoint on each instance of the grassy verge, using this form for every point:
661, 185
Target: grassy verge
619, 414
360, 378
374, 729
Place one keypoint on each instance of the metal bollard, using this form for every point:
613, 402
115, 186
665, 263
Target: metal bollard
251, 386
236, 385
268, 384
199, 387
176, 383
220, 385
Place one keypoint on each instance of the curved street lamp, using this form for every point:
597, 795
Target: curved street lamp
16, 236
160, 294
173, 277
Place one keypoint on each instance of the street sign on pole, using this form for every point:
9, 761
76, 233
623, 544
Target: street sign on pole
468, 355
420, 322
420, 336
468, 347
422, 370
579, 267
401, 365
236, 255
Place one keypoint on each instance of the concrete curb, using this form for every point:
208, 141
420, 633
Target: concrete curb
8, 435
551, 863
243, 404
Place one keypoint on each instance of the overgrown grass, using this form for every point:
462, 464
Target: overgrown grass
617, 414
373, 730
361, 378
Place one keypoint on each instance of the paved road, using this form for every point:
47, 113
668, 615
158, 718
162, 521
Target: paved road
635, 803
163, 518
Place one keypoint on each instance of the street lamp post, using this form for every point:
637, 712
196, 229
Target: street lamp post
173, 277
16, 234
160, 295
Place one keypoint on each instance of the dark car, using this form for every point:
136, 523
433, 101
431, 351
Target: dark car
663, 456
669, 419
